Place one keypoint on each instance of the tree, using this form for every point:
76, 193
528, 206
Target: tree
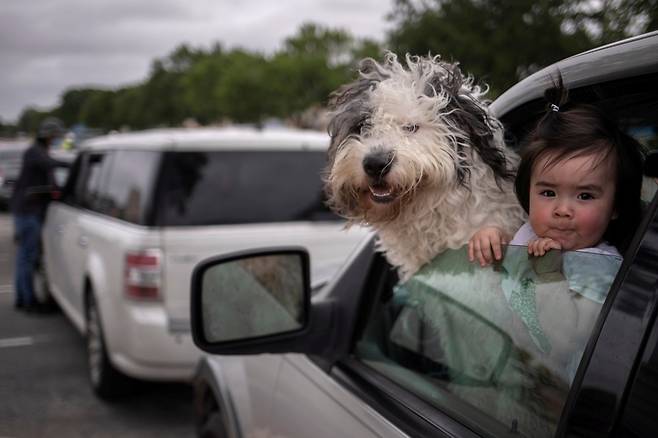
71, 103
501, 41
244, 92
30, 119
611, 20
313, 63
98, 110
199, 84
496, 40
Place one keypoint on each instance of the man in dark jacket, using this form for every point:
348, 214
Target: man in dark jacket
32, 192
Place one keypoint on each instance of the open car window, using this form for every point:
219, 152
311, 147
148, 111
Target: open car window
496, 348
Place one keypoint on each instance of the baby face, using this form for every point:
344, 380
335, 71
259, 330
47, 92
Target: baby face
572, 200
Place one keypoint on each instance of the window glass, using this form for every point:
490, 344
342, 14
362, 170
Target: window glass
231, 187
68, 191
498, 347
90, 185
126, 192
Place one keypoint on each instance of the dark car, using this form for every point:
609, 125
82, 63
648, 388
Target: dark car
445, 354
11, 160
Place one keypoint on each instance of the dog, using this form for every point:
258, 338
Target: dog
416, 155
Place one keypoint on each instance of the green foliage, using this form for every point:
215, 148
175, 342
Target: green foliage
243, 92
30, 119
498, 41
502, 41
97, 109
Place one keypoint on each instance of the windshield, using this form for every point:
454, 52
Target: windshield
498, 345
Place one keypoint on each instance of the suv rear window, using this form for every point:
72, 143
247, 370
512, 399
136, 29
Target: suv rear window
231, 187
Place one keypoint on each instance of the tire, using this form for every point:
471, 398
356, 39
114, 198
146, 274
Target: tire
42, 288
209, 421
107, 382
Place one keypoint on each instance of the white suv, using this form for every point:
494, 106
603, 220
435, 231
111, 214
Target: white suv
140, 210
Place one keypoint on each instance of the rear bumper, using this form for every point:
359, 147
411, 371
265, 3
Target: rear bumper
144, 347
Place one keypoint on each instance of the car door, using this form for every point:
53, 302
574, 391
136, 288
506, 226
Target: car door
59, 214
305, 391
449, 353
73, 235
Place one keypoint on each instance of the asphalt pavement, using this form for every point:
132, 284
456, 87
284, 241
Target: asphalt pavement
44, 390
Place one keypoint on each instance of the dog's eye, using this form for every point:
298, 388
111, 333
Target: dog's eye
410, 127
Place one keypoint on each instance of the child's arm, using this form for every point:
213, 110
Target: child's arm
486, 245
541, 245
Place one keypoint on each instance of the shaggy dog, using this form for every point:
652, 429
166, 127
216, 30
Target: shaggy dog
415, 154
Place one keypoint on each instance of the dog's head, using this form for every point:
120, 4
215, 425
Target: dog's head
401, 130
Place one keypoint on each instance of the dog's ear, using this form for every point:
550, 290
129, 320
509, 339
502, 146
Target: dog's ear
471, 115
350, 112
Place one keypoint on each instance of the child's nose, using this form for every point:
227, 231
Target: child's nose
563, 210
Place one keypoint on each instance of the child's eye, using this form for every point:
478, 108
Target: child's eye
547, 193
585, 196
411, 127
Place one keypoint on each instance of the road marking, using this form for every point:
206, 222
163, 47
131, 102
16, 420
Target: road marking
6, 289
16, 342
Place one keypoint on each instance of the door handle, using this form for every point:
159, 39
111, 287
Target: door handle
83, 241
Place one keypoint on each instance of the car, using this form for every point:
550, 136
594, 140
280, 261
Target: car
11, 159
139, 210
444, 353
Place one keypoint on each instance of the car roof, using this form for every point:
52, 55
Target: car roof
227, 138
14, 144
623, 59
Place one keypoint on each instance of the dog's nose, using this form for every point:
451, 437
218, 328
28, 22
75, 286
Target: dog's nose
378, 164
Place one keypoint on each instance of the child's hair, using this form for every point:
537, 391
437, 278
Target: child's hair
568, 130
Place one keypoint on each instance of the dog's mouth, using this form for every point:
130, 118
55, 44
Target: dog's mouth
381, 193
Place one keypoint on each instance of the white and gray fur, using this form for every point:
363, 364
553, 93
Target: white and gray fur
416, 155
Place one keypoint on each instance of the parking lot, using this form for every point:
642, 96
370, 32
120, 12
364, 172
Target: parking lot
43, 382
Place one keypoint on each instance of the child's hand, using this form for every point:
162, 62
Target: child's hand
540, 246
487, 245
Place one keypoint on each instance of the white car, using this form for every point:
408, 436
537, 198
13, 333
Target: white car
140, 210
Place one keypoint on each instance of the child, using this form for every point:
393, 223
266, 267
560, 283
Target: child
579, 180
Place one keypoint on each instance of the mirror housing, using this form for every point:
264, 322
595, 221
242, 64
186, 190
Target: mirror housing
250, 297
332, 311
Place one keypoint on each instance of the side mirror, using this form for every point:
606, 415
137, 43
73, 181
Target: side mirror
250, 298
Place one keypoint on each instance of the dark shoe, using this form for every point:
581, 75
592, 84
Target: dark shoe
35, 309
19, 306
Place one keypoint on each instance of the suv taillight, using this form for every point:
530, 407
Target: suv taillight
143, 274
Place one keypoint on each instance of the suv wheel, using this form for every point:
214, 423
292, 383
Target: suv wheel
107, 382
209, 420
42, 288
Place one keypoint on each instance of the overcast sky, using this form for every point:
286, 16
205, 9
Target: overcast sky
47, 46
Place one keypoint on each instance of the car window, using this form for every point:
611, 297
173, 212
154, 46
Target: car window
127, 191
231, 187
72, 181
496, 348
91, 184
632, 103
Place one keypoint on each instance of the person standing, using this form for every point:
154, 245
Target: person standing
32, 193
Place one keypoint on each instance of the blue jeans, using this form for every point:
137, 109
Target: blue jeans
27, 228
